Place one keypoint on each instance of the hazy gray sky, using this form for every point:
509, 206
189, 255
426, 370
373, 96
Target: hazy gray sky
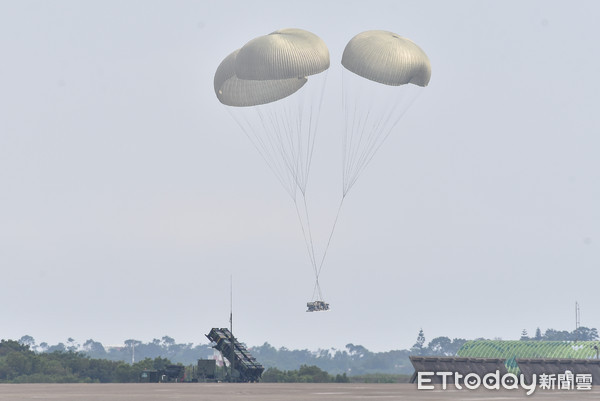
128, 194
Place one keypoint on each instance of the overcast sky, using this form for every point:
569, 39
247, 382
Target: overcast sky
129, 195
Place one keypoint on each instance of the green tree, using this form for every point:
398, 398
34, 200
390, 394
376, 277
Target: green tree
94, 349
313, 374
8, 346
273, 375
555, 335
101, 371
440, 346
342, 378
168, 341
419, 346
19, 364
60, 347
27, 341
125, 373
357, 350
72, 346
585, 334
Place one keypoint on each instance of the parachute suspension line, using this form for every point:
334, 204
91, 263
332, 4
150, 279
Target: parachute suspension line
306, 148
278, 125
307, 241
366, 134
299, 165
354, 154
380, 132
313, 131
307, 118
353, 137
365, 137
286, 142
312, 248
317, 292
313, 119
262, 147
291, 131
294, 134
348, 144
337, 215
301, 141
347, 139
274, 136
307, 234
383, 133
344, 140
282, 138
272, 126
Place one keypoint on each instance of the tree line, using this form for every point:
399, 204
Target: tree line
353, 360
25, 360
579, 334
130, 351
314, 374
443, 346
305, 374
20, 364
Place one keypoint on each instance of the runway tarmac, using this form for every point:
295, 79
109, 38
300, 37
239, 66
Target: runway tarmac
268, 392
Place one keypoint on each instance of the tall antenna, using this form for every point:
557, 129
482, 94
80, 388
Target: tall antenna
577, 316
232, 360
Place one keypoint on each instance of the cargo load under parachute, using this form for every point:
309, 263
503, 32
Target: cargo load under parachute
317, 306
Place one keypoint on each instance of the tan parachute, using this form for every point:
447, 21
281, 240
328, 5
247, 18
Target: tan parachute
274, 84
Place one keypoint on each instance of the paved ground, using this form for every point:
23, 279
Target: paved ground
267, 392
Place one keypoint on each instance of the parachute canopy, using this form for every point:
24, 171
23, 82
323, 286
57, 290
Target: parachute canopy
283, 54
232, 91
379, 65
276, 84
270, 67
387, 58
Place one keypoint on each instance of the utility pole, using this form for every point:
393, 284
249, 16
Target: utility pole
577, 320
231, 326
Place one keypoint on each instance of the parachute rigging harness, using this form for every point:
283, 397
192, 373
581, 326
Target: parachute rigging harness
317, 306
